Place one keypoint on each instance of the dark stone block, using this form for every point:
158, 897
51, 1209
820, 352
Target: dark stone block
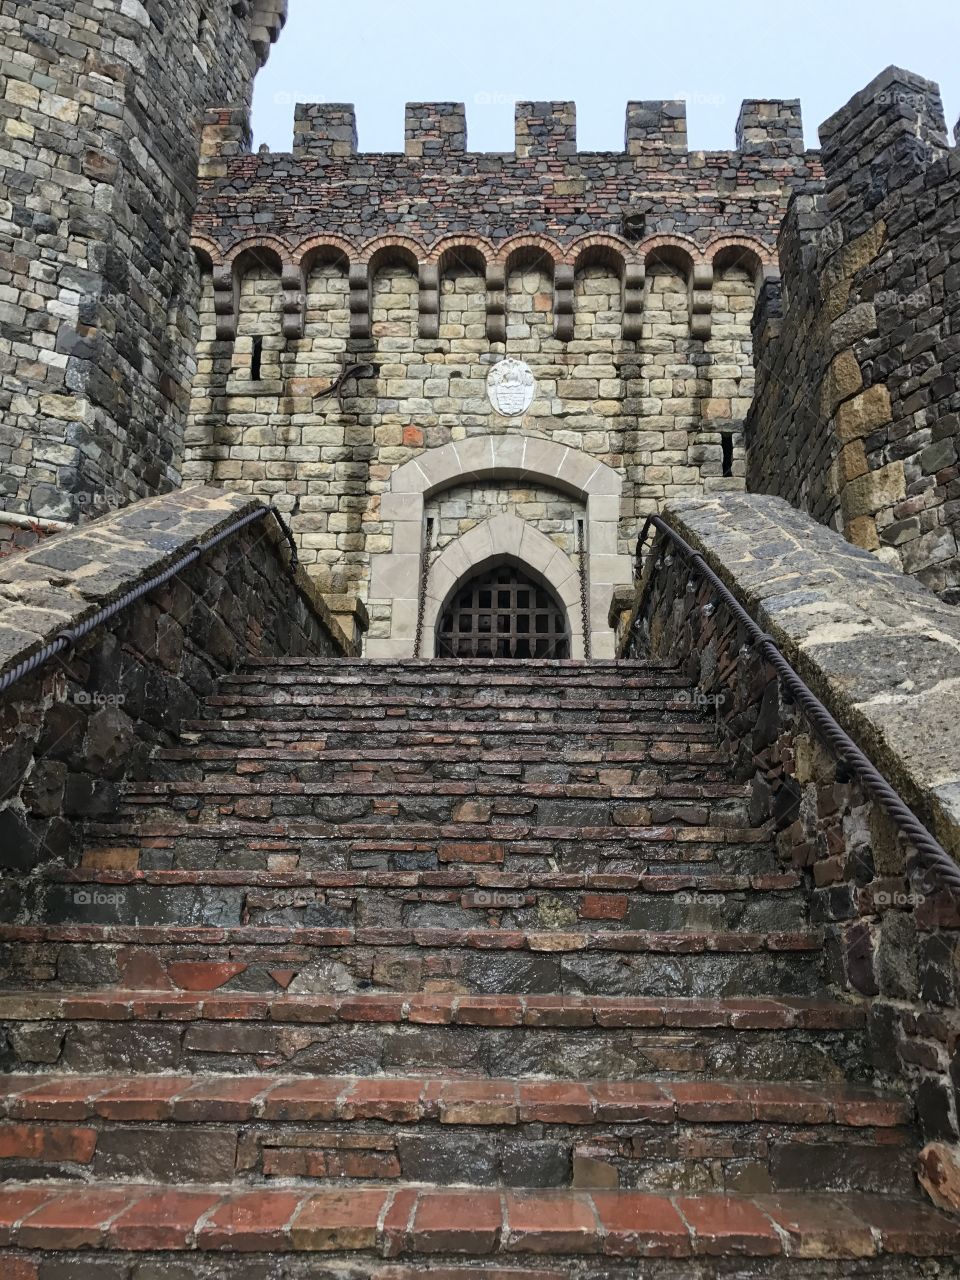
527, 1163
448, 1158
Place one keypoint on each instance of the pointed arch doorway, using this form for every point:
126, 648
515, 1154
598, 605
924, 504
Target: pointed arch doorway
502, 612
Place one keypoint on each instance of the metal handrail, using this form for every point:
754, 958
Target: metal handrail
69, 638
931, 853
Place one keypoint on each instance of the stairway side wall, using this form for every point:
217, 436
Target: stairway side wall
879, 651
71, 732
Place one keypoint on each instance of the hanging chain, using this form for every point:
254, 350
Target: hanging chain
422, 588
584, 590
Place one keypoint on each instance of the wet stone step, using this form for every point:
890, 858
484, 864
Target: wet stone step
484, 961
249, 796
707, 1136
490, 672
679, 709
310, 762
572, 1037
395, 1223
614, 735
670, 763
291, 843
352, 901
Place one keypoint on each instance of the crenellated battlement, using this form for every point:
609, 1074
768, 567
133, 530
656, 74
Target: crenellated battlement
435, 132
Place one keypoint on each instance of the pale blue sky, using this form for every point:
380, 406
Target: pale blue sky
380, 54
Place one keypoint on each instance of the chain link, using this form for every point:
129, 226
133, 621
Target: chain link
584, 591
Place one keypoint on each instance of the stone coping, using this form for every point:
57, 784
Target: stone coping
880, 650
68, 577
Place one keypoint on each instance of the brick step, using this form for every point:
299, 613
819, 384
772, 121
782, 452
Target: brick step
682, 705
210, 799
211, 766
482, 673
387, 1223
498, 733
568, 1037
485, 961
294, 842
286, 751
418, 900
707, 1136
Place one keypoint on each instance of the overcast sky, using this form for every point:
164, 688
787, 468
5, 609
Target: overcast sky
380, 54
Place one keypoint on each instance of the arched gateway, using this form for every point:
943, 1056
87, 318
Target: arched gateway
415, 599
502, 613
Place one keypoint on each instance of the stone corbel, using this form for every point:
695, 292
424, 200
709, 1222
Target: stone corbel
359, 279
496, 302
429, 301
226, 302
634, 283
701, 301
563, 302
294, 300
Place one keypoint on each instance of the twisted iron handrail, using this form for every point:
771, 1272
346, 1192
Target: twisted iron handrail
930, 852
71, 636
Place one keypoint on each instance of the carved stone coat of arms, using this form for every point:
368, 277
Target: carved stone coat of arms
511, 387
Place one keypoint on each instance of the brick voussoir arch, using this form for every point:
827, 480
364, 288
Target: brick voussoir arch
445, 251
508, 251
601, 248
504, 538
669, 248
323, 248
396, 575
249, 246
373, 253
208, 252
754, 255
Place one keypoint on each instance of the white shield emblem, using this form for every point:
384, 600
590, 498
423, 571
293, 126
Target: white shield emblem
511, 387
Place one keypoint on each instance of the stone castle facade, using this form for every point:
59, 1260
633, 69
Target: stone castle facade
176, 310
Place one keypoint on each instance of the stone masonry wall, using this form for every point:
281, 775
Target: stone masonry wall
881, 652
457, 510
626, 281
857, 416
74, 729
100, 110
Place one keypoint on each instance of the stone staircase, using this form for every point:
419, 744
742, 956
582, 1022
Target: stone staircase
459, 969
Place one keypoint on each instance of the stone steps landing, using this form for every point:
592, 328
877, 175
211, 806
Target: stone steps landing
242, 839
372, 1223
498, 970
482, 961
450, 899
707, 1136
185, 1021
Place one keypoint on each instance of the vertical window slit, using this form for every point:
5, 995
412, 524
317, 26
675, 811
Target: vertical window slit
256, 360
726, 443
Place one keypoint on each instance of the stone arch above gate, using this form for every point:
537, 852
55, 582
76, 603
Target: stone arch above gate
395, 575
503, 538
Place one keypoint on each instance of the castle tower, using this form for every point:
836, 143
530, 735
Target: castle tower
102, 124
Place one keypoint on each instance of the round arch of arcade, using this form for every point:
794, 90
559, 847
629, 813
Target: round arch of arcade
396, 574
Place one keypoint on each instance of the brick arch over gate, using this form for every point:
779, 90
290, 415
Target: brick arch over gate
395, 575
502, 538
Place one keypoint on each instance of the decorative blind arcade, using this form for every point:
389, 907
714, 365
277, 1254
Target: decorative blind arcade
501, 613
